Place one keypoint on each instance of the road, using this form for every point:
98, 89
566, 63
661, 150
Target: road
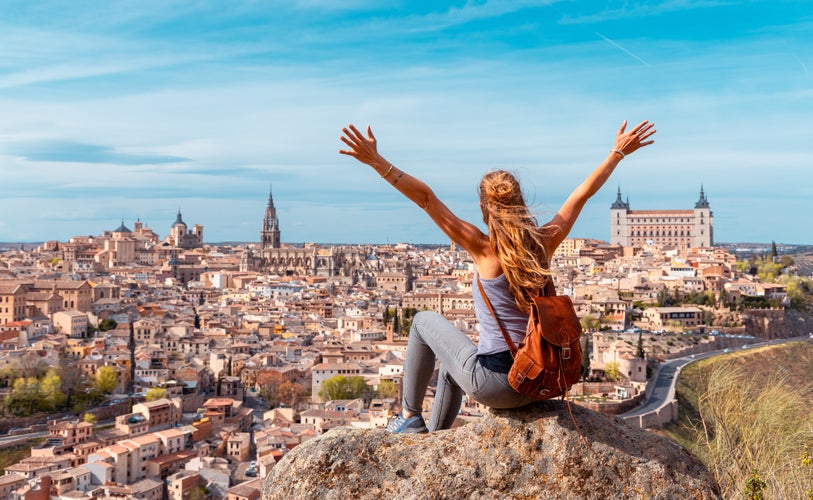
22, 438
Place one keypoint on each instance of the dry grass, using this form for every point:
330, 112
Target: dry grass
12, 454
751, 411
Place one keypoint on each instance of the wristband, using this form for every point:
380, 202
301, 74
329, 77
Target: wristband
619, 152
388, 171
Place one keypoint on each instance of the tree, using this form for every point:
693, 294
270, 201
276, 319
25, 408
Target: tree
396, 327
585, 342
89, 418
107, 324
795, 288
51, 393
270, 383
786, 261
107, 379
724, 297
409, 314
589, 323
70, 376
768, 271
291, 393
341, 387
31, 365
156, 393
640, 353
386, 389
711, 300
665, 299
199, 493
611, 371
24, 396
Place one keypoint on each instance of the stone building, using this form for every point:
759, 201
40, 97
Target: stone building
307, 260
181, 237
676, 228
662, 317
12, 302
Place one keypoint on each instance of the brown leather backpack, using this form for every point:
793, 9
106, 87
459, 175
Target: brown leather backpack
548, 361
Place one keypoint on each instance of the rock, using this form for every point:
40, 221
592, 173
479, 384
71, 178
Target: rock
532, 452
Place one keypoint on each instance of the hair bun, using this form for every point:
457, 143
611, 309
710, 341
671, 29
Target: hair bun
503, 192
501, 188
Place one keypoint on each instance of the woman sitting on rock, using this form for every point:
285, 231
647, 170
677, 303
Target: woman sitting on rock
512, 257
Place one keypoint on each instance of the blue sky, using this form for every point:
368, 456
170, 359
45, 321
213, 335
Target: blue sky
114, 110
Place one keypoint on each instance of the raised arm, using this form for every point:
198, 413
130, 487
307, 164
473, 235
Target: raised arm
364, 149
625, 144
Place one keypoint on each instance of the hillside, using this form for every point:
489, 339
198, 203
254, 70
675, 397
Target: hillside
747, 416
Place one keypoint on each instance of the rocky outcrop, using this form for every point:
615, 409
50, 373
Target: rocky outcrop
533, 452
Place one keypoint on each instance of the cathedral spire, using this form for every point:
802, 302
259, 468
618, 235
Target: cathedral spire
270, 234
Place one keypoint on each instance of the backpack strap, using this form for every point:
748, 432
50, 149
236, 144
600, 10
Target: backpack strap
511, 346
549, 289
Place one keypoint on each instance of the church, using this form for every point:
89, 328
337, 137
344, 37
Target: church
179, 236
674, 228
307, 260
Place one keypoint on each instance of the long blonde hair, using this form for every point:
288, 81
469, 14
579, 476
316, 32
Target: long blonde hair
515, 235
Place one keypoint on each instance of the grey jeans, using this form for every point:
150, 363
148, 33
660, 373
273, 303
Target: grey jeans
433, 337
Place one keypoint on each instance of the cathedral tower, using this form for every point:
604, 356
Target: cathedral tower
269, 236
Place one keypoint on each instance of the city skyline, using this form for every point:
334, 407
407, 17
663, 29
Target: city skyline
119, 111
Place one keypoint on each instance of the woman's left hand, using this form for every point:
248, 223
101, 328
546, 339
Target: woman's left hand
628, 142
362, 148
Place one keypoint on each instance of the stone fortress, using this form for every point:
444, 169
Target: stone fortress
674, 228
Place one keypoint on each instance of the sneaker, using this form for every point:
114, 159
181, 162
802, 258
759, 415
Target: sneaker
409, 425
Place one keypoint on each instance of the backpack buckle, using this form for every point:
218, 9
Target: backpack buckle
565, 352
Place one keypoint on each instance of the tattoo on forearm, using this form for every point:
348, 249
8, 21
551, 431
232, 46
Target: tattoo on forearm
400, 174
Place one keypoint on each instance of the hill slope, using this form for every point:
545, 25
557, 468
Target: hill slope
747, 415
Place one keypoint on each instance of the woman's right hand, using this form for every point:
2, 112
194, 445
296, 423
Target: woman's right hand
628, 142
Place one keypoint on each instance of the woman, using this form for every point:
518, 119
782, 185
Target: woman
512, 257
